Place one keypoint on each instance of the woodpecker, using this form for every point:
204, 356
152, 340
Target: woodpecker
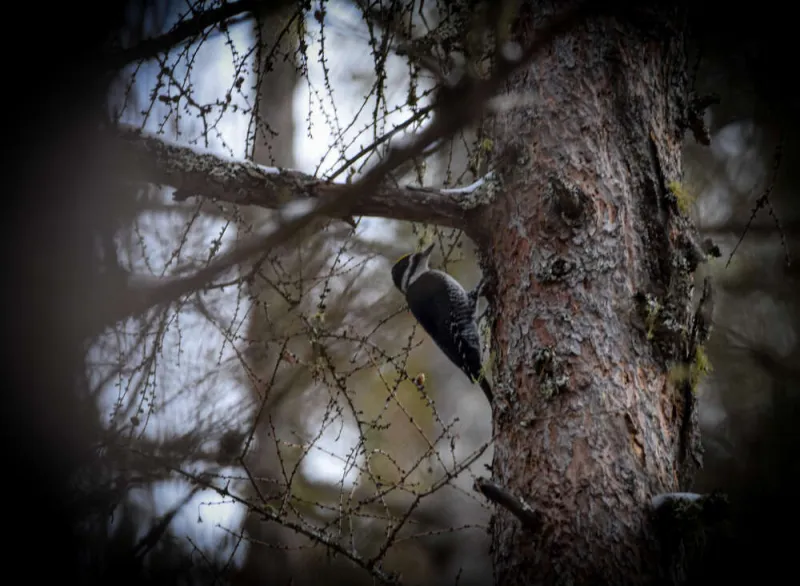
445, 311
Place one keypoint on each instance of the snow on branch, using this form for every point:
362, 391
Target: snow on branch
194, 172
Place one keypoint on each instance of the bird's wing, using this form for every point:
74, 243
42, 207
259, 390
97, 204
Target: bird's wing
457, 324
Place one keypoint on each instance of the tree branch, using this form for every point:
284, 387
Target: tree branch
530, 518
149, 48
193, 172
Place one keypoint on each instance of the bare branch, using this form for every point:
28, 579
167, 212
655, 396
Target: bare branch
184, 30
156, 532
764, 201
193, 172
528, 516
269, 513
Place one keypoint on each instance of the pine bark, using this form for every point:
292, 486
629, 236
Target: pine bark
593, 266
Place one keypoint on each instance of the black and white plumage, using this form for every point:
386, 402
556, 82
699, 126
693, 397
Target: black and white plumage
445, 311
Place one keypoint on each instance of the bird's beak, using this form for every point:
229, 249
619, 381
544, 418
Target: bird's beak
427, 252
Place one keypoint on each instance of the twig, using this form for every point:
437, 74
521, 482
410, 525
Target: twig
419, 115
763, 201
152, 537
528, 516
269, 513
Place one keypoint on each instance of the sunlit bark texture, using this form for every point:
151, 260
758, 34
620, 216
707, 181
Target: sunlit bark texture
590, 421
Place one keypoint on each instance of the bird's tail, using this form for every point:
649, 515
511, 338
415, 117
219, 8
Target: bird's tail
487, 389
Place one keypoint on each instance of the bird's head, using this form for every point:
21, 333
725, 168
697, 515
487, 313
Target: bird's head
409, 267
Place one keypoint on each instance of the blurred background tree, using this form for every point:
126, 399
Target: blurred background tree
232, 401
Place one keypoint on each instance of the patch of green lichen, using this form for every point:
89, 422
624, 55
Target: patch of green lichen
693, 373
701, 366
480, 155
683, 198
651, 310
662, 325
486, 333
505, 19
486, 366
550, 369
678, 373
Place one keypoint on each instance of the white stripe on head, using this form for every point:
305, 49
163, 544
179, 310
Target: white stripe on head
418, 264
407, 273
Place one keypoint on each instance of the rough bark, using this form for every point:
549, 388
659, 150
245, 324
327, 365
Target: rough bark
593, 265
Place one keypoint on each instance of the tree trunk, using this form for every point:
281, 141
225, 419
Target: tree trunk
273, 145
273, 142
592, 297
